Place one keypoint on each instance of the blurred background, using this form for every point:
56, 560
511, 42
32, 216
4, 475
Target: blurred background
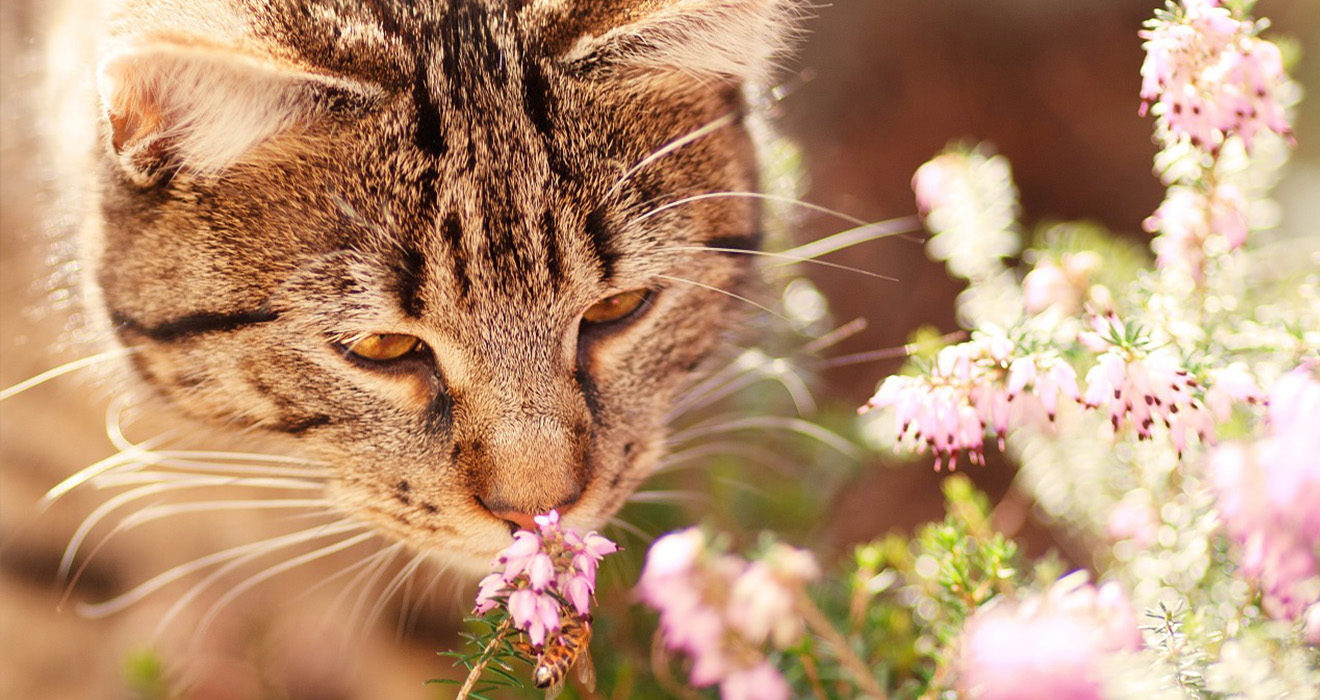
876, 89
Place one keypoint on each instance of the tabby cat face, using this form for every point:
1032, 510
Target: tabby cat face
429, 241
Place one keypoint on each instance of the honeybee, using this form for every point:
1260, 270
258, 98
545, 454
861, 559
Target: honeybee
571, 647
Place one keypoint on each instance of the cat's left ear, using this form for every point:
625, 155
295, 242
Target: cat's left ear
711, 40
174, 104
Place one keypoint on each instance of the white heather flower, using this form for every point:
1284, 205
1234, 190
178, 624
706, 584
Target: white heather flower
1210, 77
1059, 284
1189, 218
1045, 647
1311, 625
1267, 494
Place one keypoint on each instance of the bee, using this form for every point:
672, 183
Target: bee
571, 647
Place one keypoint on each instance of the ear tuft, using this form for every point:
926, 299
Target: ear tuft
177, 105
731, 40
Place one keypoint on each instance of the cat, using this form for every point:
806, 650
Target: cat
463, 255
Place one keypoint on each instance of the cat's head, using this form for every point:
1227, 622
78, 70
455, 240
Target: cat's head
457, 250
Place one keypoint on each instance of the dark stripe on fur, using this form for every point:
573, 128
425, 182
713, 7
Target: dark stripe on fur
428, 132
550, 239
602, 242
538, 99
410, 273
298, 426
748, 241
193, 324
587, 385
452, 230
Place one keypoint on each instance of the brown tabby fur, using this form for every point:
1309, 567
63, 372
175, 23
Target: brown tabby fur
457, 171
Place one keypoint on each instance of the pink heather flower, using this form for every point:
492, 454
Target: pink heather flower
543, 576
1047, 647
761, 682
1267, 494
1210, 77
974, 387
720, 610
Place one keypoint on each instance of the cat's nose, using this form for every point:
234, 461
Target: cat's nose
518, 519
522, 520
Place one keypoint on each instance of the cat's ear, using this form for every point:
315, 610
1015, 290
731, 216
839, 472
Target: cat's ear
721, 40
178, 105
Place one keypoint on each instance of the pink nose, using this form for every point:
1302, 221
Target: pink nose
522, 520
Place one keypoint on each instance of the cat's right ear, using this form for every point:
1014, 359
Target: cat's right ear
648, 40
174, 105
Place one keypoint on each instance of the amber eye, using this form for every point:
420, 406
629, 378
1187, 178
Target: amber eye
382, 347
615, 308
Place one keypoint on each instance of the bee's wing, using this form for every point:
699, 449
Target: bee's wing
555, 689
586, 670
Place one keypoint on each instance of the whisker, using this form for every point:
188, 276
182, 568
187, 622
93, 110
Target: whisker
639, 533
404, 574
273, 571
746, 362
159, 581
851, 237
797, 425
367, 564
106, 481
191, 455
886, 353
786, 258
160, 512
378, 570
749, 195
836, 336
114, 430
725, 293
689, 456
409, 622
671, 496
121, 459
700, 132
64, 369
758, 368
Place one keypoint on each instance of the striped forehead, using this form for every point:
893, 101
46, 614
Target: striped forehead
498, 203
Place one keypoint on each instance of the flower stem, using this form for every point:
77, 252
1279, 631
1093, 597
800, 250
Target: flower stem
486, 655
821, 625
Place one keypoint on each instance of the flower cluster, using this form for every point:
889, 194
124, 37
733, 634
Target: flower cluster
972, 387
1189, 218
721, 610
1141, 386
1046, 647
1267, 494
544, 575
1210, 76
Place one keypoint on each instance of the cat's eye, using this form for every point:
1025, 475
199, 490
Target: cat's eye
616, 307
382, 347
